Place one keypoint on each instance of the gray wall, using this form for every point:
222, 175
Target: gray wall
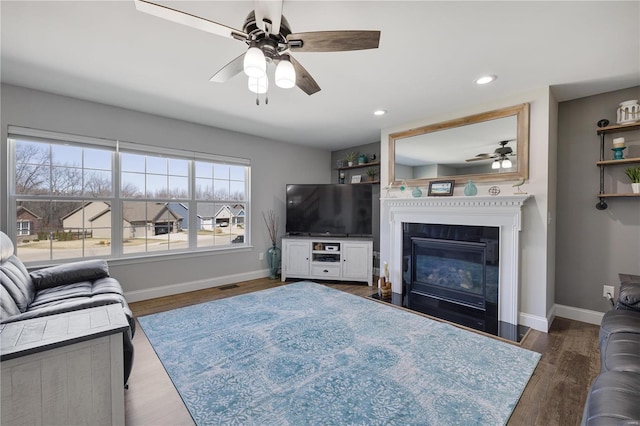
368, 149
273, 164
592, 246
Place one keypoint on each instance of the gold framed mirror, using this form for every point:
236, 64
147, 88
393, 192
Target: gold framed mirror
487, 147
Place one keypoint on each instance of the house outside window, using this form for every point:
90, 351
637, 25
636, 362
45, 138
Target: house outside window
82, 198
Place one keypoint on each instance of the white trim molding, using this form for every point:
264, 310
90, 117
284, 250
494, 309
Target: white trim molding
170, 290
503, 212
579, 314
535, 322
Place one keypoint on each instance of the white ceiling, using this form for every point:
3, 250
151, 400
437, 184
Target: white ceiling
429, 55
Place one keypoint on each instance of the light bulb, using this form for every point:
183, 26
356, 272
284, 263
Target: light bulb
258, 85
495, 165
254, 63
285, 74
506, 163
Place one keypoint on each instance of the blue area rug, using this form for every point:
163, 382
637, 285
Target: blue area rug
306, 354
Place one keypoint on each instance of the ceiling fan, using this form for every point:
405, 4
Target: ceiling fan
500, 155
268, 34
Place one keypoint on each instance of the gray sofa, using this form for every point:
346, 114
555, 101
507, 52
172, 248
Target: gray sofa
64, 288
614, 396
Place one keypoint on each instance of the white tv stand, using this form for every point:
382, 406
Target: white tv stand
342, 259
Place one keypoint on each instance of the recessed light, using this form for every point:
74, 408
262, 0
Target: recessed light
486, 79
380, 112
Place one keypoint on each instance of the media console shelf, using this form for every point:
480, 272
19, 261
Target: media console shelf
342, 259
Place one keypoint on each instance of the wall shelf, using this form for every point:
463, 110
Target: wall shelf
602, 164
347, 179
617, 195
360, 166
618, 162
618, 128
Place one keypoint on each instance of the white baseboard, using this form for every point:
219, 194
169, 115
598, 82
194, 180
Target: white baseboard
169, 290
534, 321
579, 314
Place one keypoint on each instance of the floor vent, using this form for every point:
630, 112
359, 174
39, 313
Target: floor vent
227, 287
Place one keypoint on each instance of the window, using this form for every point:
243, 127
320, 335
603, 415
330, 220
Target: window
83, 198
24, 227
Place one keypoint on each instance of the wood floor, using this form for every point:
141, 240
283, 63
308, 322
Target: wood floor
555, 394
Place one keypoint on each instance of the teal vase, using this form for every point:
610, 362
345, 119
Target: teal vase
417, 192
273, 259
470, 189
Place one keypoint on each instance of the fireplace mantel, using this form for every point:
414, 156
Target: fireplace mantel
500, 202
504, 212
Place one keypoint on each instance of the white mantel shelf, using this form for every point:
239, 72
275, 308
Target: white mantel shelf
516, 200
504, 212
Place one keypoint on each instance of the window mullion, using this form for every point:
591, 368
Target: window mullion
116, 208
193, 207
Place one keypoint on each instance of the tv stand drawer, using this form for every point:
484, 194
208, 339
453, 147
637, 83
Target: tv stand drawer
325, 270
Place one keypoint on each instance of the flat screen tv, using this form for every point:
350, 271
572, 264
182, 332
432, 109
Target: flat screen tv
329, 209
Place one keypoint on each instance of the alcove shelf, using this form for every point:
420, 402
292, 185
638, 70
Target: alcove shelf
358, 166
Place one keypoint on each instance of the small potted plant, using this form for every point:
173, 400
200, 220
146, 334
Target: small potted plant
634, 175
372, 173
350, 157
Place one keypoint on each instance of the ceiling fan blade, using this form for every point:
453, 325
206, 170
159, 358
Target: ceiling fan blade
193, 21
303, 79
333, 41
269, 10
229, 71
481, 157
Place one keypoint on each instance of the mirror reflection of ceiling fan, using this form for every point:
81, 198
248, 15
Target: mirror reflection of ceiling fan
500, 156
270, 40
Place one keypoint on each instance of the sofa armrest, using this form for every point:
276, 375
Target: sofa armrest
629, 296
69, 273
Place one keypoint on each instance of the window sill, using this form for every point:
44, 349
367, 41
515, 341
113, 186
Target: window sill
138, 258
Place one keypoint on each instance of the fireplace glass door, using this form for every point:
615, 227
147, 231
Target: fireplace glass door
454, 271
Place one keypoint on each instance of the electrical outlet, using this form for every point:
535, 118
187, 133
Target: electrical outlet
260, 256
608, 289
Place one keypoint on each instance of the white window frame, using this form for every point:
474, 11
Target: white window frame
15, 132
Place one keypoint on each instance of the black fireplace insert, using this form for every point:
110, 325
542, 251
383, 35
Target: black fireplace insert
451, 272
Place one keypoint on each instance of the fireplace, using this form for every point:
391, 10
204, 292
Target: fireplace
451, 272
502, 213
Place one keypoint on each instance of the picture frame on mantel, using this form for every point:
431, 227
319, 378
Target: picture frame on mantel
441, 188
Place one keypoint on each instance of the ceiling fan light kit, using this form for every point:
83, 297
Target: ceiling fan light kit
255, 64
500, 155
268, 35
285, 74
258, 85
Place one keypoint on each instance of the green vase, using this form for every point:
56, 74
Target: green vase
273, 259
470, 189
